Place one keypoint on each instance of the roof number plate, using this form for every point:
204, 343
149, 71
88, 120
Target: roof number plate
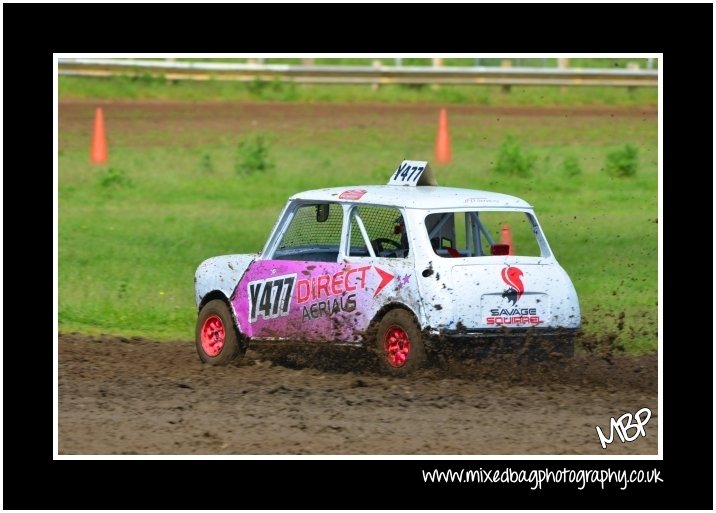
412, 172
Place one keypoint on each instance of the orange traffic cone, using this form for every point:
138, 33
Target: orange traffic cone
506, 238
98, 151
443, 154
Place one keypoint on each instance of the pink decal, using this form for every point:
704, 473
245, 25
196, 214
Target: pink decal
308, 300
352, 194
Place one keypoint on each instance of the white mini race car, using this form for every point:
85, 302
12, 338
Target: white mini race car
402, 269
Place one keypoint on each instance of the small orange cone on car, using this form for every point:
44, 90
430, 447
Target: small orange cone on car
98, 151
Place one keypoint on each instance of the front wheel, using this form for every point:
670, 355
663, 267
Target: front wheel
399, 343
216, 340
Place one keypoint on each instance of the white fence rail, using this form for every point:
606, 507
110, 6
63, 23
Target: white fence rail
308, 74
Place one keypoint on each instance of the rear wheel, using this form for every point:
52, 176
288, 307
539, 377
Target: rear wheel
399, 343
216, 339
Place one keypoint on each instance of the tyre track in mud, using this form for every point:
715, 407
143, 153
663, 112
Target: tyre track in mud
132, 396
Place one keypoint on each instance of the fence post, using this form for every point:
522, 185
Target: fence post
437, 63
506, 63
375, 85
634, 66
563, 63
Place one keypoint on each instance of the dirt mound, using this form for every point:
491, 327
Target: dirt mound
132, 396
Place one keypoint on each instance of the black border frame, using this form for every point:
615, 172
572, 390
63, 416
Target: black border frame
33, 480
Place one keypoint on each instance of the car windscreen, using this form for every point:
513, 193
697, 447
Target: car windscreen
313, 234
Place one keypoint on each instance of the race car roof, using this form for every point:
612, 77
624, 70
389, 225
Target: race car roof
424, 197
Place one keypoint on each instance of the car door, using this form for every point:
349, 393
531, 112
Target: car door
379, 240
297, 281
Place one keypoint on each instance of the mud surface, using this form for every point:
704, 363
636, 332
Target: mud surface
133, 396
147, 124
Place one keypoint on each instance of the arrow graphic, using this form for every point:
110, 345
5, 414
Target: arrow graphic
385, 278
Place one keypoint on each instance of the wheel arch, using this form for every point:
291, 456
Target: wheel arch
373, 325
214, 294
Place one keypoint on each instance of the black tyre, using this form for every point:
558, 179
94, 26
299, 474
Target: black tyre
399, 343
216, 339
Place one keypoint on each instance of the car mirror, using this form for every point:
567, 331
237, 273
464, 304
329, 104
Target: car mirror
322, 212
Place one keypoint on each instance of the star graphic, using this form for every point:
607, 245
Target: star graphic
406, 279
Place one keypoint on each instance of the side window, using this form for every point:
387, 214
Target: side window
484, 233
381, 228
513, 228
313, 235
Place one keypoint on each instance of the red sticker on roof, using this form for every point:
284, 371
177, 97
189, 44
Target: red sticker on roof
352, 194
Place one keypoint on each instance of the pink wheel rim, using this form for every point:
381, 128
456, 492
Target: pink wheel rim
397, 346
213, 335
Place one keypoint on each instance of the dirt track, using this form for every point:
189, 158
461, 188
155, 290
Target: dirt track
146, 123
132, 396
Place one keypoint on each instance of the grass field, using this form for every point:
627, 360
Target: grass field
146, 87
132, 232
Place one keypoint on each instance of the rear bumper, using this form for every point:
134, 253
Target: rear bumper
505, 341
506, 333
